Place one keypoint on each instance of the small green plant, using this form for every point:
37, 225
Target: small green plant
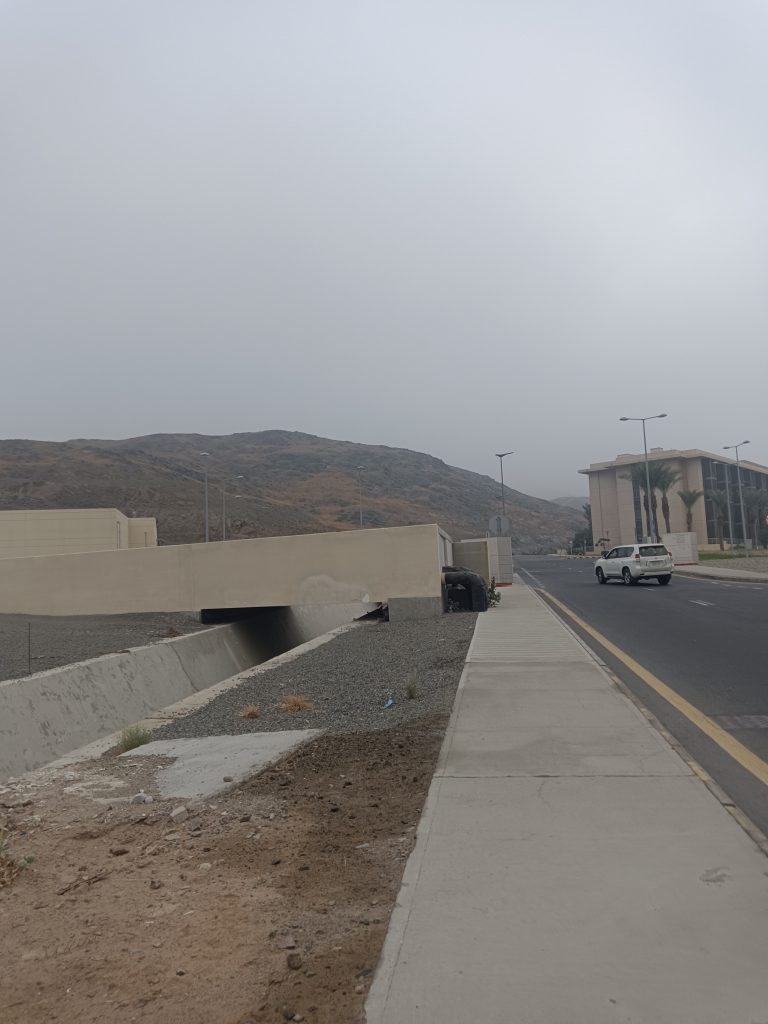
133, 736
494, 597
411, 689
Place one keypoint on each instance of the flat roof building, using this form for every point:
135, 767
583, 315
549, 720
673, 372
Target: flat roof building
617, 512
68, 531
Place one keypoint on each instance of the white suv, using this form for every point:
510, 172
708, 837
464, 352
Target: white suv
633, 562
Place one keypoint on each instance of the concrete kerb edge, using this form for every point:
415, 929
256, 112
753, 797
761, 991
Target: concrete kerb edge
194, 701
378, 994
758, 837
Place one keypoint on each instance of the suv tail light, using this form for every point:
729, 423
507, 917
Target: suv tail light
637, 556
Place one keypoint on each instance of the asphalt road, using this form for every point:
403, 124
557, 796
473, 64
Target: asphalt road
706, 640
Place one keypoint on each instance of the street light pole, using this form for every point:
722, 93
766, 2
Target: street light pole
206, 455
224, 507
726, 448
726, 467
501, 456
360, 491
642, 419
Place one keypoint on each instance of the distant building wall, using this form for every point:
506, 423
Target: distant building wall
34, 532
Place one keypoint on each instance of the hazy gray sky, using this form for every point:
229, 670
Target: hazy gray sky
457, 227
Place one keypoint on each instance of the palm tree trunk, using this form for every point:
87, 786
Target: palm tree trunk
665, 511
689, 520
647, 514
654, 506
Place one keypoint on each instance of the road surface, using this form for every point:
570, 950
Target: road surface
705, 640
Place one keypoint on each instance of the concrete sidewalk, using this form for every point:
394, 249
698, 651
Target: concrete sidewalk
569, 867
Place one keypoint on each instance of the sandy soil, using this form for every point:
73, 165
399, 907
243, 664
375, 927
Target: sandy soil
270, 903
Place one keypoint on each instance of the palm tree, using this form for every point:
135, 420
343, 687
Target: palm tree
666, 478
662, 477
689, 499
755, 502
637, 475
719, 501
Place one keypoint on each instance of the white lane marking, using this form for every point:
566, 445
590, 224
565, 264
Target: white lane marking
534, 578
704, 604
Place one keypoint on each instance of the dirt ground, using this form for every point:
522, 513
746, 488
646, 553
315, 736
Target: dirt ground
268, 904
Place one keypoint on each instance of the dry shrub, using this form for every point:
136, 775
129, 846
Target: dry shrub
294, 703
251, 711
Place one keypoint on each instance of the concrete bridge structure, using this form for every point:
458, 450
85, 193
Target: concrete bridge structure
399, 566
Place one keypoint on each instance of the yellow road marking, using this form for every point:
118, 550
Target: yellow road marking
741, 754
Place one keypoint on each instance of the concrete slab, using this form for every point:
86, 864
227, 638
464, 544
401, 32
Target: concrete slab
579, 675
556, 901
615, 888
202, 764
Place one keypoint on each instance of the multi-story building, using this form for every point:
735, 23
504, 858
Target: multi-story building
617, 516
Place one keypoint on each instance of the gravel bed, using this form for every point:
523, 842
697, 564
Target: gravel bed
61, 640
348, 681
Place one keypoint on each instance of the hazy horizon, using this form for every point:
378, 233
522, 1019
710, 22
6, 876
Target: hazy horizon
456, 228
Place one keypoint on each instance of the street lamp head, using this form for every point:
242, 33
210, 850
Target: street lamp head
205, 453
623, 419
661, 416
502, 455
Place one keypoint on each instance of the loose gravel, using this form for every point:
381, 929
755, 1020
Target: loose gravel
62, 640
348, 682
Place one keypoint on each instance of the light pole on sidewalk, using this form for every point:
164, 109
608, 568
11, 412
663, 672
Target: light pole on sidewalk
501, 456
206, 456
642, 419
735, 447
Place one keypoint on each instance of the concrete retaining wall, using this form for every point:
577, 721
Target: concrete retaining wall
51, 713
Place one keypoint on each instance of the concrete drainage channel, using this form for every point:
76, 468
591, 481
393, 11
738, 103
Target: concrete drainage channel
49, 716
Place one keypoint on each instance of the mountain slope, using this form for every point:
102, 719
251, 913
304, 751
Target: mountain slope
291, 483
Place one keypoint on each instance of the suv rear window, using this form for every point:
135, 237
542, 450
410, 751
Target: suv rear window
654, 551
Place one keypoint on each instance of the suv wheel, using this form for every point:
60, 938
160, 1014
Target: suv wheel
627, 576
664, 580
600, 575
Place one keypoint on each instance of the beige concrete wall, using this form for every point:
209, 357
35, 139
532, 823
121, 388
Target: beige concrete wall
49, 714
473, 555
37, 532
327, 568
142, 532
500, 563
604, 504
682, 546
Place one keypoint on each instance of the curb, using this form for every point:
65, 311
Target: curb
758, 837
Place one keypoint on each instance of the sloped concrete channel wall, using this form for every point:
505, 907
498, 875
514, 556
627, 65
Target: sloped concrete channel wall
49, 714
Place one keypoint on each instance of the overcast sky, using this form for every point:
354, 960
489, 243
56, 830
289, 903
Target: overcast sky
457, 227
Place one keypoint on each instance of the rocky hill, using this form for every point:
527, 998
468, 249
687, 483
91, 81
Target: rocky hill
290, 483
